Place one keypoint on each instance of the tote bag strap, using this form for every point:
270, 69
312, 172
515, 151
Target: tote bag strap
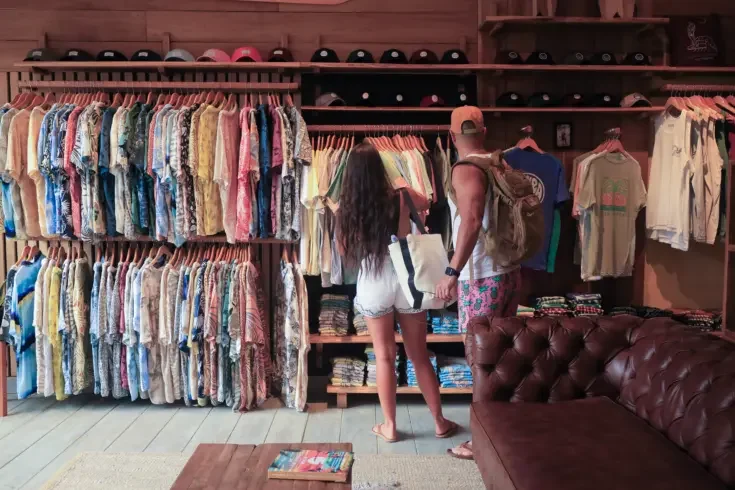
413, 212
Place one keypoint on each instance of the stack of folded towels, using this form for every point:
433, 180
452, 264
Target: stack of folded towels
446, 323
360, 325
411, 371
334, 315
525, 311
372, 369
585, 304
454, 372
348, 371
552, 306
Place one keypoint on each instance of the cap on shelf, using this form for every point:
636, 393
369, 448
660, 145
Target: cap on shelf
635, 100
280, 55
510, 99
540, 58
637, 59
179, 55
394, 56
325, 55
215, 55
41, 54
541, 99
246, 54
424, 57
77, 55
111, 55
432, 101
360, 56
574, 99
329, 99
365, 99
506, 57
454, 57
576, 58
604, 58
146, 55
604, 100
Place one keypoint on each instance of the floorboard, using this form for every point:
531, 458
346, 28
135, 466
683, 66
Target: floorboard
422, 423
252, 427
405, 443
177, 433
288, 426
459, 413
215, 429
323, 426
357, 421
22, 414
139, 435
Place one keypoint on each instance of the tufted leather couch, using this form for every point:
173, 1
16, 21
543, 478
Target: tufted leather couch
612, 403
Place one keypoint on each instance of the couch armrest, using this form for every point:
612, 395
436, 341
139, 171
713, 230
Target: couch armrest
544, 359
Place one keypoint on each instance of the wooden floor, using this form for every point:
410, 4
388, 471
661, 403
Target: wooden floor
40, 435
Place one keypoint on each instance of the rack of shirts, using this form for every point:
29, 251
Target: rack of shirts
608, 192
170, 166
408, 161
695, 140
140, 321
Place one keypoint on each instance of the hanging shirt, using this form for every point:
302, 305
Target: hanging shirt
17, 168
21, 314
226, 171
34, 130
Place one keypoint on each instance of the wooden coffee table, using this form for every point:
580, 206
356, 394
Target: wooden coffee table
245, 467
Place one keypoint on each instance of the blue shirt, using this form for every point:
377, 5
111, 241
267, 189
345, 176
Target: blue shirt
549, 184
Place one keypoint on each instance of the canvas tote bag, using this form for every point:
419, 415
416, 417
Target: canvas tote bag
420, 262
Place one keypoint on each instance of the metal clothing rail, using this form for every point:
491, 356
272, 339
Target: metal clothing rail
674, 87
377, 128
152, 86
145, 239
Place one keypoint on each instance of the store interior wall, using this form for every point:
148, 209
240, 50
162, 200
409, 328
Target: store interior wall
663, 277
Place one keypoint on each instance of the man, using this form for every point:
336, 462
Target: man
493, 290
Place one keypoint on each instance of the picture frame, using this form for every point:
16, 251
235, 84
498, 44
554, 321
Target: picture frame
563, 135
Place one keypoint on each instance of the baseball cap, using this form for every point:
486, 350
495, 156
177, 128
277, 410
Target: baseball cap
540, 58
541, 99
394, 56
146, 55
325, 55
365, 99
77, 55
111, 55
41, 54
397, 98
432, 101
360, 56
510, 99
508, 58
576, 58
637, 59
574, 99
454, 57
247, 53
280, 55
635, 100
467, 120
216, 55
179, 55
603, 58
329, 99
604, 100
424, 57
461, 97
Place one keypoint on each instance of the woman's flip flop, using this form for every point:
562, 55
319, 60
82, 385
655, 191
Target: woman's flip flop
453, 427
465, 446
378, 431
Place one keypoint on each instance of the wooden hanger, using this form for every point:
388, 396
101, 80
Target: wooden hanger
527, 142
163, 251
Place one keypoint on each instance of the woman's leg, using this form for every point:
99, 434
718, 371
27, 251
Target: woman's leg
384, 343
413, 328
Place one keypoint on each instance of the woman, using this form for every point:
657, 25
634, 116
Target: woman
370, 212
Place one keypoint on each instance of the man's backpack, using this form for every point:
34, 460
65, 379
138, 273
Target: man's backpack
516, 231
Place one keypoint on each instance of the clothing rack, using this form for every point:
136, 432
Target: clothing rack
147, 239
674, 87
377, 128
142, 86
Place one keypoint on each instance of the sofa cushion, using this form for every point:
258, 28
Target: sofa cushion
579, 445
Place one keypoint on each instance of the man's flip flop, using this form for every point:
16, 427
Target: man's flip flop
378, 431
453, 428
461, 456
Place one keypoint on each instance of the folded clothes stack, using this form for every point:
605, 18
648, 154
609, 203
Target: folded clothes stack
360, 325
348, 371
703, 320
585, 304
446, 323
525, 311
552, 306
623, 310
411, 371
372, 369
454, 372
334, 315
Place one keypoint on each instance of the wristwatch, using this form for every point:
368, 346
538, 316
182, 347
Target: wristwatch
451, 272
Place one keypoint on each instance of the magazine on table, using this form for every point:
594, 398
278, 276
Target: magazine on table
306, 464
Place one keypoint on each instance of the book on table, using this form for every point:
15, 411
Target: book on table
306, 464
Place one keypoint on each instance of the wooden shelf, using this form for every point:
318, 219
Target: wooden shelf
365, 339
499, 69
541, 110
494, 24
156, 66
343, 391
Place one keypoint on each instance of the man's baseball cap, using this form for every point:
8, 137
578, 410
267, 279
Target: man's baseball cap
41, 54
394, 56
467, 120
216, 55
179, 55
111, 55
396, 99
604, 58
635, 100
576, 58
454, 57
604, 100
360, 56
541, 99
540, 58
510, 99
508, 58
329, 99
147, 55
325, 55
365, 99
77, 55
432, 100
637, 59
280, 55
574, 99
461, 97
424, 57
247, 53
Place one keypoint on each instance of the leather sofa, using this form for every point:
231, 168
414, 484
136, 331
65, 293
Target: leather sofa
606, 403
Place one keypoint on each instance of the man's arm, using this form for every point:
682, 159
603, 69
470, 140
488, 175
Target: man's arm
470, 184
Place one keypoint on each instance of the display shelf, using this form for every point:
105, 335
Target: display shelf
499, 69
343, 391
365, 339
155, 66
494, 24
524, 110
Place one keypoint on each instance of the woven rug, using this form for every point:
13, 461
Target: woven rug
128, 471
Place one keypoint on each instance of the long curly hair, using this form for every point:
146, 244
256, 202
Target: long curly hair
367, 211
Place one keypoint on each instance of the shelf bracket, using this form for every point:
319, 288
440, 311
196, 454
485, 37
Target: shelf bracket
664, 38
166, 43
496, 28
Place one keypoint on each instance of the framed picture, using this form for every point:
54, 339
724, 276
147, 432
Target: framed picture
563, 135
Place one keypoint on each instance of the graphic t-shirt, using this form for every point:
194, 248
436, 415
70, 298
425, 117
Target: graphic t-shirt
613, 193
549, 184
